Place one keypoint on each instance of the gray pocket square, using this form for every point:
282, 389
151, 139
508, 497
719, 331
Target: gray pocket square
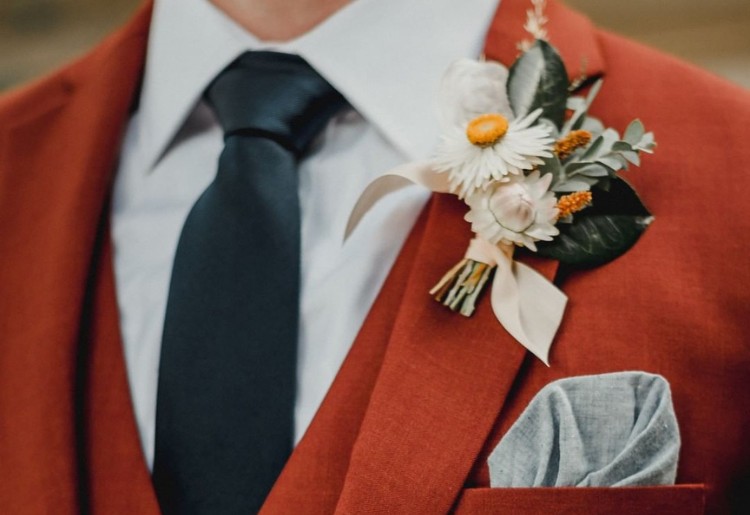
604, 430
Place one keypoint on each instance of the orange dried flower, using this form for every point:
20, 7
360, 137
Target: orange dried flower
569, 204
573, 140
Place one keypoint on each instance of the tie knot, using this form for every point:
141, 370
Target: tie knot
273, 95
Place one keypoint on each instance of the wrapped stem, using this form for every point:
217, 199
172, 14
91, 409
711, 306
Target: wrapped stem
461, 286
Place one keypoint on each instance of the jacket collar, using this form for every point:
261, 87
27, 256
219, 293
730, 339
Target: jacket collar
402, 110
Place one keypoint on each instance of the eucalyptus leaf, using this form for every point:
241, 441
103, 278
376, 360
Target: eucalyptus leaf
552, 165
621, 146
634, 132
575, 122
610, 137
576, 104
573, 168
580, 107
632, 157
593, 125
593, 150
579, 183
589, 170
602, 232
613, 161
538, 79
594, 91
647, 143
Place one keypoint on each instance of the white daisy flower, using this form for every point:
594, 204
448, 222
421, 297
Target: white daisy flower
483, 140
489, 148
519, 211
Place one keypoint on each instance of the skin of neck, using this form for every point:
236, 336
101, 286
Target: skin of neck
279, 20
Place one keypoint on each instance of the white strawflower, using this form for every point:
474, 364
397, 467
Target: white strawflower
492, 148
519, 211
483, 140
471, 88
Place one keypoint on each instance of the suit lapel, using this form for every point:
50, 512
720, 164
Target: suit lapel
114, 476
442, 383
312, 479
58, 157
445, 378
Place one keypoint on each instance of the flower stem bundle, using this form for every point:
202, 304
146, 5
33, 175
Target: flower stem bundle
461, 286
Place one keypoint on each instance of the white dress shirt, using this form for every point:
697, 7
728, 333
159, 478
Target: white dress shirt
386, 57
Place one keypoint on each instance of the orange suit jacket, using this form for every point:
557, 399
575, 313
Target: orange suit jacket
424, 395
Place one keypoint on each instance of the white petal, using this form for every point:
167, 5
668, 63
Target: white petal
470, 88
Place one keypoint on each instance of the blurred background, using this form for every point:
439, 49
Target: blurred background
38, 35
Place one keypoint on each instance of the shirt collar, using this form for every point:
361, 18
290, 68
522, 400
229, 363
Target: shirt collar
385, 56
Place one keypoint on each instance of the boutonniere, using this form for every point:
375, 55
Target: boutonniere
535, 171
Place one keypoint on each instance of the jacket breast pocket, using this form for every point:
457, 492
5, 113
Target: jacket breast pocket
662, 500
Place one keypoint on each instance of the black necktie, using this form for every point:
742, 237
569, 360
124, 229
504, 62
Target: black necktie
227, 376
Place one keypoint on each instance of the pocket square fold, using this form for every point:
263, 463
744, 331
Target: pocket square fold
603, 430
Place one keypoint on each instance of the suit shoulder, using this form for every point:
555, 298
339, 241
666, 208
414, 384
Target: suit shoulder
700, 120
700, 123
39, 96
652, 76
27, 101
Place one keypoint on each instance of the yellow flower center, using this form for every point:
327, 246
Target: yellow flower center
487, 129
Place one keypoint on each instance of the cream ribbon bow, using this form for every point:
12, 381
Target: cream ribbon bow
528, 306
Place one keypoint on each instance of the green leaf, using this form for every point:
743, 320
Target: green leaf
634, 132
632, 157
552, 165
588, 169
647, 143
602, 232
613, 161
579, 183
580, 107
591, 124
622, 146
538, 80
593, 149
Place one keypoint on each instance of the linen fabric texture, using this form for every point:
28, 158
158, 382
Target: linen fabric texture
602, 430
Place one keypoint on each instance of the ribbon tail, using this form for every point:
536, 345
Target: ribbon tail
422, 173
528, 306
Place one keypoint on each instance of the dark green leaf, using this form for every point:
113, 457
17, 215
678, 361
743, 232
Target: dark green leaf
602, 232
605, 182
538, 79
